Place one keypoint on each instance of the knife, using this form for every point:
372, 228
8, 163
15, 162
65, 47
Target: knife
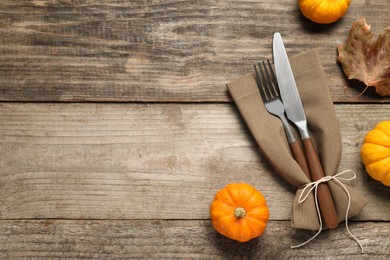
295, 112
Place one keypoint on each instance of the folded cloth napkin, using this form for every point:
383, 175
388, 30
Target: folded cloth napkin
323, 125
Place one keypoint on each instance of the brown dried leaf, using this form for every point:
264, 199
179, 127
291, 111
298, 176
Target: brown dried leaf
366, 59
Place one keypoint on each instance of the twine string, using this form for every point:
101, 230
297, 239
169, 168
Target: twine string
313, 186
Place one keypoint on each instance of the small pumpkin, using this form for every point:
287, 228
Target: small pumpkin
239, 212
375, 152
323, 11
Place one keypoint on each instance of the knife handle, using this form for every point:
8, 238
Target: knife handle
299, 157
325, 201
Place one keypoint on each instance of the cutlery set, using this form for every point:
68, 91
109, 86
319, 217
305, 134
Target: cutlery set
281, 98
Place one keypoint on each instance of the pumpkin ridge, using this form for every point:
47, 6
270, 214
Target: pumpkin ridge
379, 175
224, 197
263, 216
379, 136
375, 152
249, 197
235, 201
256, 226
236, 195
384, 127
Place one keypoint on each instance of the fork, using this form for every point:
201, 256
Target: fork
269, 91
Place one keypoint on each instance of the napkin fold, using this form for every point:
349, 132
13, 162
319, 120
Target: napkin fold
268, 133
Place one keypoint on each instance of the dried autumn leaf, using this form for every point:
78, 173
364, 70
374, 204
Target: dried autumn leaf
366, 59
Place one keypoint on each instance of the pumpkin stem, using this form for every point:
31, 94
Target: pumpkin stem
239, 212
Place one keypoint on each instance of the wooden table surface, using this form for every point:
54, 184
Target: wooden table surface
116, 128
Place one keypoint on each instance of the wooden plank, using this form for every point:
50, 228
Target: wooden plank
149, 161
180, 239
159, 50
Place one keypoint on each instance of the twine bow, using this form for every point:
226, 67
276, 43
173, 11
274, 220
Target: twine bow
309, 187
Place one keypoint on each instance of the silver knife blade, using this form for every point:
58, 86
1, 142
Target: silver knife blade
288, 88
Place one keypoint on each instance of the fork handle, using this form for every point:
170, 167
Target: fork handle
325, 201
299, 157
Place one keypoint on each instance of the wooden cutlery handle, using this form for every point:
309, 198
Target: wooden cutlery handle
299, 156
325, 200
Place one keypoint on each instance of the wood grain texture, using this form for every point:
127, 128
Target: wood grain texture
150, 161
178, 239
169, 50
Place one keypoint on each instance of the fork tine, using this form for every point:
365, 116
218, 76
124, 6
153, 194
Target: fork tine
273, 79
260, 83
270, 84
265, 84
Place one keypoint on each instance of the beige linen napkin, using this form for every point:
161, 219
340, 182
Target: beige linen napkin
268, 132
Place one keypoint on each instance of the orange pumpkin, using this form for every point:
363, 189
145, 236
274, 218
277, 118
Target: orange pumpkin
239, 212
324, 11
375, 152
